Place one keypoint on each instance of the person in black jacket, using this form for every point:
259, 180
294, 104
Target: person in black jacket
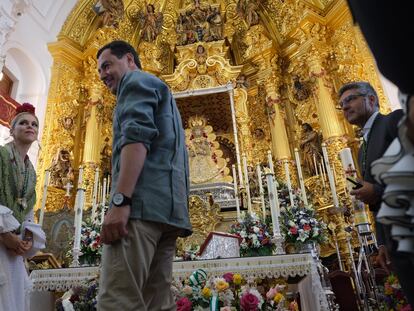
360, 106
387, 27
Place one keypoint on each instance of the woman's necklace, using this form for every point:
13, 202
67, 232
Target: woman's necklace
22, 176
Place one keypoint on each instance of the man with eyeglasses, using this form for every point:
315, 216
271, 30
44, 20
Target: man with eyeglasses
360, 106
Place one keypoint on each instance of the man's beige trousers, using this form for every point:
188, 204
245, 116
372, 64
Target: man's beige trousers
137, 271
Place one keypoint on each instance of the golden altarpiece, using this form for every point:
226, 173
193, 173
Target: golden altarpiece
249, 76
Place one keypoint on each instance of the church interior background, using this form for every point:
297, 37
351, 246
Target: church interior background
249, 77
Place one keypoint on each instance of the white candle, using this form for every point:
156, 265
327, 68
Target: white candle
322, 176
272, 201
261, 193
44, 196
348, 166
246, 181
270, 161
323, 165
80, 177
98, 199
330, 176
79, 202
236, 195
103, 202
104, 192
95, 193
288, 182
314, 163
301, 182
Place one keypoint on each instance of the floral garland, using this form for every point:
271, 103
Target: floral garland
255, 235
230, 292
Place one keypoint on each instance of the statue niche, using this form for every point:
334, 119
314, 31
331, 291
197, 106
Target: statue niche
61, 171
310, 144
150, 23
205, 156
111, 11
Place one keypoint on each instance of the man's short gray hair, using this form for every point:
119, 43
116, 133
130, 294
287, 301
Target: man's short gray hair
364, 87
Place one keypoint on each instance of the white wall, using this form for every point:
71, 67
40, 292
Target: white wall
27, 56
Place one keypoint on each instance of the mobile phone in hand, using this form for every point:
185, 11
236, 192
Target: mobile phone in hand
356, 184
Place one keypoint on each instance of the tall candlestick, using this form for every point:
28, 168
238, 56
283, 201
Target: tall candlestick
236, 195
44, 196
301, 182
288, 182
330, 176
95, 192
274, 206
261, 193
246, 181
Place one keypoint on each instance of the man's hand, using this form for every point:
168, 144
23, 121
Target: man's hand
115, 224
383, 258
366, 193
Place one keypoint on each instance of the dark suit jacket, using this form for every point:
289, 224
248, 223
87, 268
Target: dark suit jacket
383, 131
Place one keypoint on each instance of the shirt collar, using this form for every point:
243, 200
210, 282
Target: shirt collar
368, 125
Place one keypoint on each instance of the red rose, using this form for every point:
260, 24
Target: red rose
228, 277
184, 304
249, 302
306, 227
293, 230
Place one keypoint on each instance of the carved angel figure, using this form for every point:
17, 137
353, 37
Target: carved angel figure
61, 169
111, 11
247, 10
150, 23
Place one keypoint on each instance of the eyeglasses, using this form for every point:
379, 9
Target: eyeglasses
349, 99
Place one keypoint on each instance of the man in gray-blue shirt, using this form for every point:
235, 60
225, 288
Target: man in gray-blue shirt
149, 206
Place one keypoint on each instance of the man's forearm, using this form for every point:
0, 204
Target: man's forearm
131, 164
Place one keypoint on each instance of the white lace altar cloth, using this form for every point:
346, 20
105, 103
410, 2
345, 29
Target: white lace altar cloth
270, 266
267, 266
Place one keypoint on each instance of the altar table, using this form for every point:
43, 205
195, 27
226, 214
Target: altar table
310, 288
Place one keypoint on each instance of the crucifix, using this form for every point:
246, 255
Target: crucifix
68, 188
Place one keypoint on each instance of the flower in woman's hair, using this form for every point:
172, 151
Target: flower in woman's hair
221, 284
237, 278
184, 304
187, 290
278, 298
228, 277
206, 292
249, 302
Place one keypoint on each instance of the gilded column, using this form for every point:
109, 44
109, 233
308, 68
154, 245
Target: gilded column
280, 142
93, 128
333, 135
61, 124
